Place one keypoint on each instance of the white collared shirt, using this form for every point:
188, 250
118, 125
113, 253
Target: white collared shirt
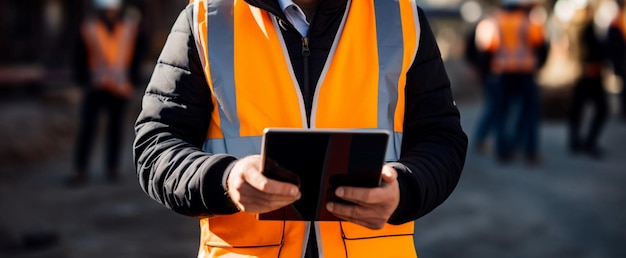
295, 15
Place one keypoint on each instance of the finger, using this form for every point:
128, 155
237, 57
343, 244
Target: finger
270, 186
355, 214
389, 174
240, 191
359, 195
250, 193
368, 195
253, 200
347, 212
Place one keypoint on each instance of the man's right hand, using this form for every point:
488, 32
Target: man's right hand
252, 192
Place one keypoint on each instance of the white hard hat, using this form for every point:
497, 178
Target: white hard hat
107, 4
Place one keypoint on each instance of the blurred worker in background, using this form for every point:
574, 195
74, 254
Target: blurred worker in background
479, 59
516, 47
107, 65
617, 48
589, 87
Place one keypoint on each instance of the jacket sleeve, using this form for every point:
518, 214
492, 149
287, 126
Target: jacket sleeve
171, 129
615, 46
434, 144
80, 63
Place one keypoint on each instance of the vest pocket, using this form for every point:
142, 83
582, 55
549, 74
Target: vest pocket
382, 247
390, 241
353, 231
241, 230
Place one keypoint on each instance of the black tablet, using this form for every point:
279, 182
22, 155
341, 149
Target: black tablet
319, 161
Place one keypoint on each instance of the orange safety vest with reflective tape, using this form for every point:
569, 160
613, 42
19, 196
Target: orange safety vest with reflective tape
512, 38
110, 54
253, 86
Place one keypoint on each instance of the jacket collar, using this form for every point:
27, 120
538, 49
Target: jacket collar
325, 6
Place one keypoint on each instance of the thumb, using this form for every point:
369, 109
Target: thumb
389, 175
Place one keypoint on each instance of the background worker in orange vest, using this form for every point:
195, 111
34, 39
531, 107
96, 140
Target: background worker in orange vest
617, 51
516, 47
589, 87
107, 65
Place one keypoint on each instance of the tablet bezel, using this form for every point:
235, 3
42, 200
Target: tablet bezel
322, 214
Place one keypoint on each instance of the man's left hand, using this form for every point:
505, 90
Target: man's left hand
373, 206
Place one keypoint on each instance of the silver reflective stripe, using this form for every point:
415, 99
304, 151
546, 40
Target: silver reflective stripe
238, 147
390, 56
305, 242
318, 238
196, 29
393, 149
221, 44
418, 28
296, 85
397, 137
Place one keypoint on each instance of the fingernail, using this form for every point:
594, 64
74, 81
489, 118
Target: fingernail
293, 191
330, 206
339, 192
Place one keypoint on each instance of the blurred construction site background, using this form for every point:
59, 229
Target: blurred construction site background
567, 205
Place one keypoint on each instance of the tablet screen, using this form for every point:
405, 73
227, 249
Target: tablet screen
319, 161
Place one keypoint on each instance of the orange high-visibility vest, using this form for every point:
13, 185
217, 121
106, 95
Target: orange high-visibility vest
253, 86
512, 38
110, 54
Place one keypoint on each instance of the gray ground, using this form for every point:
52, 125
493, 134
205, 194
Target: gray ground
570, 206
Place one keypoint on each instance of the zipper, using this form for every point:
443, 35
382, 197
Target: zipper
308, 94
308, 105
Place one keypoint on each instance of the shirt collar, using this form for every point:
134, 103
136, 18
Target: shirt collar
284, 4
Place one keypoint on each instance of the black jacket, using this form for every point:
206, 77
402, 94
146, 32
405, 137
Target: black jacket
616, 46
172, 126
